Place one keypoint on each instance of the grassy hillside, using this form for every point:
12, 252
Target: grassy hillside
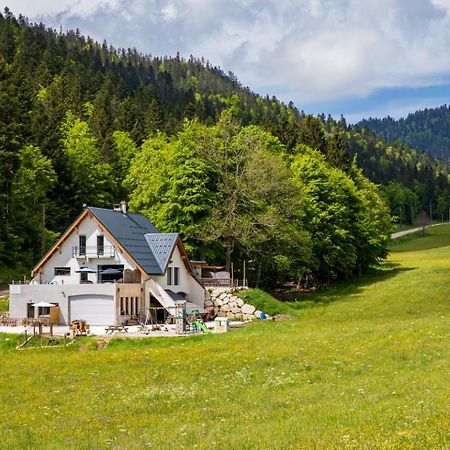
263, 301
435, 237
365, 369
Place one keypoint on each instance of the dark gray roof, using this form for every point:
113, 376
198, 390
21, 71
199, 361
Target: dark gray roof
190, 307
175, 296
162, 245
129, 230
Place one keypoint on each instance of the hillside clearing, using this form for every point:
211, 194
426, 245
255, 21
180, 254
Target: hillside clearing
366, 368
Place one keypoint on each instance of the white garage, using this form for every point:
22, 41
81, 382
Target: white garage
95, 309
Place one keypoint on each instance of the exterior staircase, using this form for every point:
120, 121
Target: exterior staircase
161, 295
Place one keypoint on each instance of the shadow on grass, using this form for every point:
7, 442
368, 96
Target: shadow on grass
346, 288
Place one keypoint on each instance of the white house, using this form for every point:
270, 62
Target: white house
108, 267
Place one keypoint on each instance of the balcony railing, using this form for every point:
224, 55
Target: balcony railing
105, 251
216, 282
222, 282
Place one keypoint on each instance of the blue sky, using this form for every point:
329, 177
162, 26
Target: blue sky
395, 102
359, 58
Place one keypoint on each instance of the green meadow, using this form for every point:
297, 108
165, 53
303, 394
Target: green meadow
363, 365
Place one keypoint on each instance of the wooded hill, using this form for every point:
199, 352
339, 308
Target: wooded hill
185, 143
427, 130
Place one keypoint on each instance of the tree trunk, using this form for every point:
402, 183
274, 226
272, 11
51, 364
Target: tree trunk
43, 245
258, 274
229, 251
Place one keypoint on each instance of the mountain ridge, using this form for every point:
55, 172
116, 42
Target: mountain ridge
63, 89
426, 130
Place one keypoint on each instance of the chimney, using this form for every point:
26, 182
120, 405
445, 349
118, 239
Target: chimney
123, 206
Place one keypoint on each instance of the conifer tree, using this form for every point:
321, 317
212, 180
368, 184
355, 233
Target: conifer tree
312, 134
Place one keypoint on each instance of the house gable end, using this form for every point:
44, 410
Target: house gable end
59, 242
161, 245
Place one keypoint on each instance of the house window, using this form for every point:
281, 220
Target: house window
176, 276
84, 277
110, 276
169, 276
100, 245
44, 311
62, 271
82, 244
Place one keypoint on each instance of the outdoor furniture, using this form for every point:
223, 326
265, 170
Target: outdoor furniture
45, 320
116, 329
132, 320
79, 328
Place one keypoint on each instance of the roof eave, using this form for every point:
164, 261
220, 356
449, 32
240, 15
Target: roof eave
60, 240
184, 257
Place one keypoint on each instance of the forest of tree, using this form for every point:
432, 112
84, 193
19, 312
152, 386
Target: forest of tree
427, 130
237, 174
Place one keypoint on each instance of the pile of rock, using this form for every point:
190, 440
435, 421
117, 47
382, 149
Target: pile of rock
226, 304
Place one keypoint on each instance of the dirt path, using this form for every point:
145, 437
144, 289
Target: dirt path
412, 230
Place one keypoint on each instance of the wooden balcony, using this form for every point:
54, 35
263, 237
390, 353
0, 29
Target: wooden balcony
216, 282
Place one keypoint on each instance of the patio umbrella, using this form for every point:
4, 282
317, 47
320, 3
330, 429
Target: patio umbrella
43, 305
85, 270
111, 271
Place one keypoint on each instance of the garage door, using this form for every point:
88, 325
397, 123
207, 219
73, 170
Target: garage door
94, 309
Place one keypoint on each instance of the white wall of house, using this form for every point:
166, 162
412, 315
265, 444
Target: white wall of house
22, 294
62, 257
195, 293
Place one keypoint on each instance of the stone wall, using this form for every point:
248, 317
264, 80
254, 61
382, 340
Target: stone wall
226, 304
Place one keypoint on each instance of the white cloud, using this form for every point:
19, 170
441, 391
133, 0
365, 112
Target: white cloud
50, 8
307, 50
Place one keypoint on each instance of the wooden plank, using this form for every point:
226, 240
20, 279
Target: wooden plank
54, 315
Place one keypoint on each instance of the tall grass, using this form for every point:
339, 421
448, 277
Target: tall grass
264, 302
366, 368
